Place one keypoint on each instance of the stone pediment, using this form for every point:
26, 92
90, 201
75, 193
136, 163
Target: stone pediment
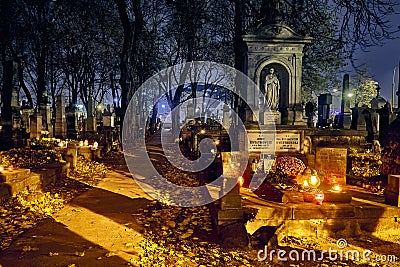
279, 32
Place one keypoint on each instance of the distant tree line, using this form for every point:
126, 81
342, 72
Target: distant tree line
107, 49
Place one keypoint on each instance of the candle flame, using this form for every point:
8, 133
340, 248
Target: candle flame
337, 188
313, 180
241, 181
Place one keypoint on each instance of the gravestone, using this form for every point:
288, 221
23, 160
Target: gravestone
91, 118
35, 126
26, 119
45, 112
72, 122
108, 125
345, 115
61, 122
324, 103
230, 216
333, 162
358, 120
226, 120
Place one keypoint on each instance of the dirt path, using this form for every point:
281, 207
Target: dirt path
97, 228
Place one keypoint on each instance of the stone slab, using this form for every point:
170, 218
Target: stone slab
292, 197
31, 182
18, 174
342, 197
231, 202
309, 211
229, 215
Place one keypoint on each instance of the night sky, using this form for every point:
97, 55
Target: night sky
381, 62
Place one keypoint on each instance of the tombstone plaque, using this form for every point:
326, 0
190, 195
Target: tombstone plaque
333, 162
287, 142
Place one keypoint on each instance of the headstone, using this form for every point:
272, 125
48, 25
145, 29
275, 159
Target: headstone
382, 113
61, 121
91, 118
45, 112
392, 192
310, 113
108, 120
72, 122
226, 121
370, 123
26, 119
324, 103
345, 116
358, 120
35, 125
72, 154
333, 162
230, 216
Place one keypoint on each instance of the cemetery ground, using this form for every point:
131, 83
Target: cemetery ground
99, 216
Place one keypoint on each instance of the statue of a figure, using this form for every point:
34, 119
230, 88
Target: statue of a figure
272, 88
271, 12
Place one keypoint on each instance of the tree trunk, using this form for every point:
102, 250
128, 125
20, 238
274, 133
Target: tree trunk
41, 77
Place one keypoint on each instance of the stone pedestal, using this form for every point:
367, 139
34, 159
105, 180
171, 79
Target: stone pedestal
231, 228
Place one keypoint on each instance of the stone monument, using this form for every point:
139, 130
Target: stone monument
61, 122
45, 113
72, 121
382, 112
274, 63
